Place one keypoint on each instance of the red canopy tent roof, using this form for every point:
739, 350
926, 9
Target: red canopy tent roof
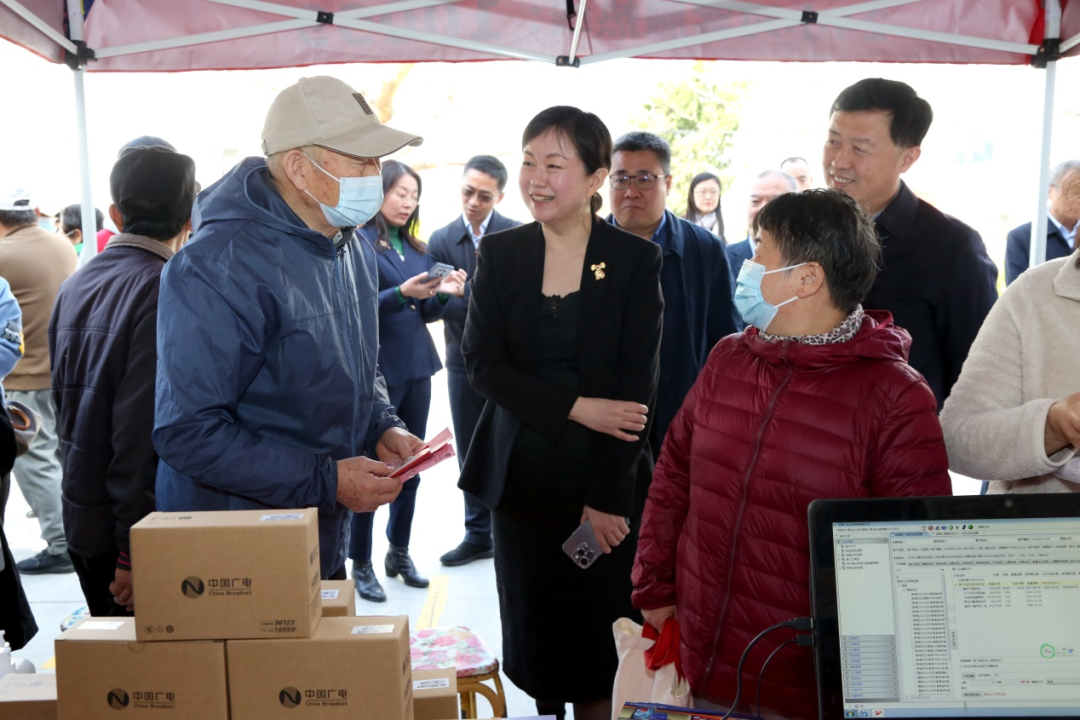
180, 35
177, 35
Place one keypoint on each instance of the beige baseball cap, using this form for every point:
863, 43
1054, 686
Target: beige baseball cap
326, 112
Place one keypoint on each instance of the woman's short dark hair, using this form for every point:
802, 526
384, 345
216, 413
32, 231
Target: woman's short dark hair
392, 171
692, 212
909, 115
71, 219
827, 227
584, 130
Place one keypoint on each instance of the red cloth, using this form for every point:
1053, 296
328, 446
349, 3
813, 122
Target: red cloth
103, 238
766, 430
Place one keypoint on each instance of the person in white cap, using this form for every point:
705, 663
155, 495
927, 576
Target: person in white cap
35, 261
269, 393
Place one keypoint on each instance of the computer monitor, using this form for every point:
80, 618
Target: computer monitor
952, 607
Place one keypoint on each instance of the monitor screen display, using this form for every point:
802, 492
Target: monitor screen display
958, 618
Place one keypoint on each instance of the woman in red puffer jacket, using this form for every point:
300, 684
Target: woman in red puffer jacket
823, 405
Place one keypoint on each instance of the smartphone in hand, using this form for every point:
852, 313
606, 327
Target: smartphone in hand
582, 546
439, 270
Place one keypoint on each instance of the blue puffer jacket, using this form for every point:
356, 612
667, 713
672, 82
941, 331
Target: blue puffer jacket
267, 342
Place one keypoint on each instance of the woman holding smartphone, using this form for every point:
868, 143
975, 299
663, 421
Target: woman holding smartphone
562, 338
408, 299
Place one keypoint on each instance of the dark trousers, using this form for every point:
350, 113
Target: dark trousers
412, 400
96, 573
5, 491
465, 407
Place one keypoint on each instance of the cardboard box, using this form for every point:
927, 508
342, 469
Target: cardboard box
352, 667
435, 694
101, 669
338, 598
223, 575
28, 697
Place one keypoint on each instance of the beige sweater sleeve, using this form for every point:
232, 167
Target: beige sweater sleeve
991, 431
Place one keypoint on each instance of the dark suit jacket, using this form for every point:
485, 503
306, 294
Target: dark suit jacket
1018, 248
698, 311
620, 322
937, 281
453, 245
406, 351
737, 254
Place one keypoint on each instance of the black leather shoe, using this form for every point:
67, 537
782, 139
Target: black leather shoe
367, 586
43, 563
465, 553
398, 562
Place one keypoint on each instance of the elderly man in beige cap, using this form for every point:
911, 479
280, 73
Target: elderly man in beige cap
269, 393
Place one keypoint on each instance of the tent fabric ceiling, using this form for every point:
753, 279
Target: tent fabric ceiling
440, 30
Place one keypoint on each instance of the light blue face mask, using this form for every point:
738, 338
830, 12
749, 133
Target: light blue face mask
359, 199
749, 301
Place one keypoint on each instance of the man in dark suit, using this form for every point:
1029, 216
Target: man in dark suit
767, 185
696, 278
936, 278
1061, 226
457, 244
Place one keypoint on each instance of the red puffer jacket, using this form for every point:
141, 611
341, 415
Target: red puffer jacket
766, 430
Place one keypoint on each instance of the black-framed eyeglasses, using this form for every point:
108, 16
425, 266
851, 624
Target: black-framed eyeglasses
646, 181
467, 193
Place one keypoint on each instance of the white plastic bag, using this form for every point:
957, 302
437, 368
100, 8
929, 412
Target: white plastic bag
634, 681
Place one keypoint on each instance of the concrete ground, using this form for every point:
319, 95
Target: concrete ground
457, 596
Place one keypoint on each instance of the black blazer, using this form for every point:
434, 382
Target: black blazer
453, 245
619, 330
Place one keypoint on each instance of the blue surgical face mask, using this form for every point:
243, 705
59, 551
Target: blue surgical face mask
748, 298
359, 198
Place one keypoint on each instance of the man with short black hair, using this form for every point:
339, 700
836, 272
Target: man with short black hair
35, 261
937, 279
1061, 226
456, 244
799, 169
767, 185
103, 340
696, 278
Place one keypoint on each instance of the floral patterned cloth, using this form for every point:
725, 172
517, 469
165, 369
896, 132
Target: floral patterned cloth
460, 647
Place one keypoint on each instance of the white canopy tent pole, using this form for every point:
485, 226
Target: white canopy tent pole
89, 215
577, 33
1070, 43
1037, 246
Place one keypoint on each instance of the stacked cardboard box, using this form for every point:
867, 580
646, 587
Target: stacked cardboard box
28, 697
230, 623
435, 694
338, 598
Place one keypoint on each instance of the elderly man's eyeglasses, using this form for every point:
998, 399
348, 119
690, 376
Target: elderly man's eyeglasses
467, 193
646, 181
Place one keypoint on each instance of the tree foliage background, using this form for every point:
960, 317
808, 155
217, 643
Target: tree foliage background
699, 116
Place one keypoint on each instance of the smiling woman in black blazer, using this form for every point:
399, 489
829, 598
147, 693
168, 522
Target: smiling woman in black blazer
562, 338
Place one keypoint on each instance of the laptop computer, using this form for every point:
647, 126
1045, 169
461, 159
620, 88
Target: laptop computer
947, 607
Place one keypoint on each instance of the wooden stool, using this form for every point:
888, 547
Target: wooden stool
464, 650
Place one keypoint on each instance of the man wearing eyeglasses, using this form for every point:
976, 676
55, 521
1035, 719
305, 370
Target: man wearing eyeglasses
696, 278
456, 244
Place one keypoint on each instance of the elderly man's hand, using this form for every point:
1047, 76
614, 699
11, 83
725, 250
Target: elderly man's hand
121, 589
397, 445
364, 484
1063, 424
